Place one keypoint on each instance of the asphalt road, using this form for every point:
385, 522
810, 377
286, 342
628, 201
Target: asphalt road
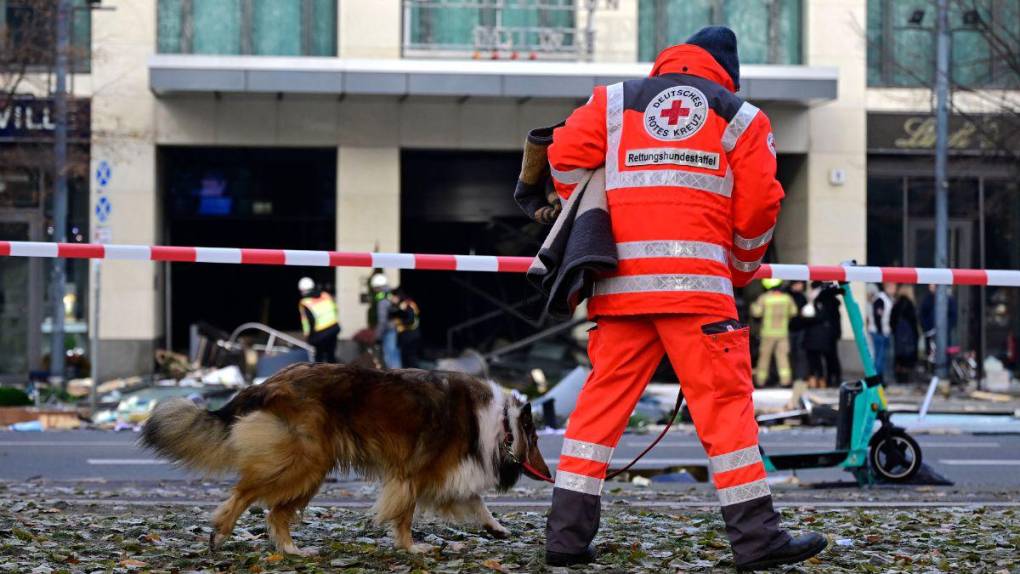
985, 461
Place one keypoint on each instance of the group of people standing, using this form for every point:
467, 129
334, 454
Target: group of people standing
896, 324
393, 318
800, 329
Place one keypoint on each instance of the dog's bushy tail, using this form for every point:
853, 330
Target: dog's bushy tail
191, 435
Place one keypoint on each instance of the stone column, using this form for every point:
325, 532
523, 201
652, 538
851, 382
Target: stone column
836, 215
367, 217
122, 135
369, 29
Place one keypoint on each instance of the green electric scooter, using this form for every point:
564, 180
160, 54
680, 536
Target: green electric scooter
887, 452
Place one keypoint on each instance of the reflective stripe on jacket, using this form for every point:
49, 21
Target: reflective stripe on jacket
323, 309
690, 184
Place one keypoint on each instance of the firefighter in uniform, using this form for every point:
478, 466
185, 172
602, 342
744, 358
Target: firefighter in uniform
318, 320
775, 308
693, 201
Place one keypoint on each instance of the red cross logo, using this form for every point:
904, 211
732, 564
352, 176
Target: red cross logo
675, 112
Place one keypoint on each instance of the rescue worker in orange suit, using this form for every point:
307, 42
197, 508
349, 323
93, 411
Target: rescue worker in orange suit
693, 201
319, 320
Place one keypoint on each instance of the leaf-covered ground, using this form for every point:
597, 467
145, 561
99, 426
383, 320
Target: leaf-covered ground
55, 536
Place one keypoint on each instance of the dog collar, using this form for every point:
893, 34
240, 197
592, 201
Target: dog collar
508, 437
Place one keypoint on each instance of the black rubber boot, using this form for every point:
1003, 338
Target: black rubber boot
563, 559
798, 549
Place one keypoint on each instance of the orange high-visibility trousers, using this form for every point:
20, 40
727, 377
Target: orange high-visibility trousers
714, 369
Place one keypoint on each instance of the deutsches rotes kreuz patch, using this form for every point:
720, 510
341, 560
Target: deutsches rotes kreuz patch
676, 113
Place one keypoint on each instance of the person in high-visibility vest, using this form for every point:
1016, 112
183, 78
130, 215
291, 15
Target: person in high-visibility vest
775, 308
319, 320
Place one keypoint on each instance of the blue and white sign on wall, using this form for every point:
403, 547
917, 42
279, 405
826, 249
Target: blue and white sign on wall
102, 235
103, 209
103, 173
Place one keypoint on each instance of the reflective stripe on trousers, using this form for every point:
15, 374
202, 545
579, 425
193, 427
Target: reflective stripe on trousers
625, 352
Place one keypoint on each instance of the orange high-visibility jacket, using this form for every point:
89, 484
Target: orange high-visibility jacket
690, 182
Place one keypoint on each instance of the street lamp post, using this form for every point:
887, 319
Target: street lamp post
57, 287
941, 184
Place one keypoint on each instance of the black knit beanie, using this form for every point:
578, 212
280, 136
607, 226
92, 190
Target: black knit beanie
721, 42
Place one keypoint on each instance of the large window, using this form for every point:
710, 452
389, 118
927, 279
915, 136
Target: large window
509, 29
28, 35
257, 27
983, 231
985, 40
769, 31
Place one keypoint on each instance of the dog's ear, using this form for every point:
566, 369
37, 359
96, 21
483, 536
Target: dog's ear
526, 421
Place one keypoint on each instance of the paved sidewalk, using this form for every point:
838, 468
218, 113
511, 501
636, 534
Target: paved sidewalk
46, 527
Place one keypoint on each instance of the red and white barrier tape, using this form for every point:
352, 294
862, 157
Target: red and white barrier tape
491, 263
266, 256
922, 275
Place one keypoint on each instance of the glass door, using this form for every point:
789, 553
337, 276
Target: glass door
921, 253
20, 301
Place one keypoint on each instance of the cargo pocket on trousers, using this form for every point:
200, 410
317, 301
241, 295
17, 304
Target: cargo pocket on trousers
729, 347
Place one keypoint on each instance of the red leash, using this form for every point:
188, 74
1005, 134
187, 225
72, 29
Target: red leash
676, 411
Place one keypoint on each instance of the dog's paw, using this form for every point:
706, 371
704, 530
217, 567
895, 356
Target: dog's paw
306, 552
215, 540
421, 548
497, 530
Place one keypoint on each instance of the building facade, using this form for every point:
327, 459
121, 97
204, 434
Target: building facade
26, 180
984, 142
397, 125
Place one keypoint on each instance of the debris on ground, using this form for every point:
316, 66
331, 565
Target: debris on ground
988, 396
54, 536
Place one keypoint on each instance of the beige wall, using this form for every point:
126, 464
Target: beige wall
834, 228
367, 219
122, 135
369, 28
615, 30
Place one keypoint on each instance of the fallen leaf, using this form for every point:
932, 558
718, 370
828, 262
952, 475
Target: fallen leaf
494, 564
274, 558
132, 563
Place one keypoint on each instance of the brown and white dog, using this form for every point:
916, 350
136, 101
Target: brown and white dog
433, 439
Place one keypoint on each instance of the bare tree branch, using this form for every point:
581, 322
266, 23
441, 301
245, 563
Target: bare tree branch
998, 124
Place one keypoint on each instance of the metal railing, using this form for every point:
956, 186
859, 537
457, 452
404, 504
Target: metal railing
505, 29
270, 344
